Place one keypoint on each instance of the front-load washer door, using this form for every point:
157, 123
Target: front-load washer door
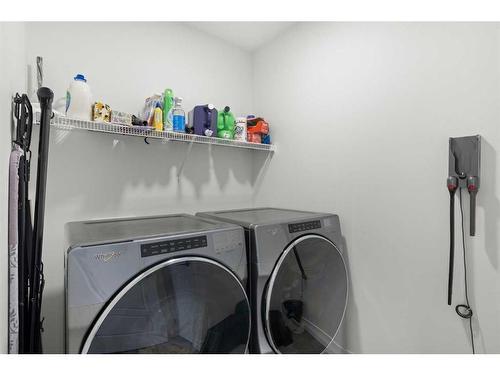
183, 305
306, 296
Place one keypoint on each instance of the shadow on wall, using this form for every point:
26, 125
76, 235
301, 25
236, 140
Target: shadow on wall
489, 202
347, 339
261, 164
53, 305
100, 176
490, 205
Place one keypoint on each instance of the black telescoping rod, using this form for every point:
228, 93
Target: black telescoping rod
452, 184
28, 227
26, 218
45, 97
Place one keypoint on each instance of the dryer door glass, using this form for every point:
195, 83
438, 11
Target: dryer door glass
306, 297
186, 305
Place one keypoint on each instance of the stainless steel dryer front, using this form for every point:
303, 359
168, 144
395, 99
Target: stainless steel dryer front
166, 284
298, 280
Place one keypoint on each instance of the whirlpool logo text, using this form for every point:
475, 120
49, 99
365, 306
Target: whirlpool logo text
106, 257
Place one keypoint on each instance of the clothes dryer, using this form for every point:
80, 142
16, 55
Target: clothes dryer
298, 280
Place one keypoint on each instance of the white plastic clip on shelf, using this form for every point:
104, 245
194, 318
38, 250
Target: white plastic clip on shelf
66, 123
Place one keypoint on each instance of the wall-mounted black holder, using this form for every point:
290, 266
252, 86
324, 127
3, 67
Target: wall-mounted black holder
464, 169
465, 166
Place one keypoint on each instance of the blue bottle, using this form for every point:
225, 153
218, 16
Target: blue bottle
178, 116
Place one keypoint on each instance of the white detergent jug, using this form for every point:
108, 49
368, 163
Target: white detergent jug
79, 99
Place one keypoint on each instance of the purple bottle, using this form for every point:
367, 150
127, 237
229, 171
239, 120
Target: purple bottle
202, 120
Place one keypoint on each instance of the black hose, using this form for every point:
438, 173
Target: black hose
464, 310
452, 246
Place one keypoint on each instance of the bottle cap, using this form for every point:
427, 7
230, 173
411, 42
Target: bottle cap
80, 77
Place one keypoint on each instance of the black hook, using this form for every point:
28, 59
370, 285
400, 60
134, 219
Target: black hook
461, 175
146, 140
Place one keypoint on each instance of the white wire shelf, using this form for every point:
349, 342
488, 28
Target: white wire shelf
66, 123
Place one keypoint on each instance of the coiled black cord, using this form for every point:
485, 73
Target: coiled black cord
464, 310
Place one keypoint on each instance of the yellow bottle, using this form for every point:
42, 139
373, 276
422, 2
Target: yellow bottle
158, 119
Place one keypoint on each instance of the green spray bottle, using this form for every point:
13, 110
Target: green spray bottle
225, 124
168, 104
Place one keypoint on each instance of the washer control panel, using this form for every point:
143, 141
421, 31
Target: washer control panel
300, 227
170, 246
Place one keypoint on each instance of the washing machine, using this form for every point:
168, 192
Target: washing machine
298, 279
163, 284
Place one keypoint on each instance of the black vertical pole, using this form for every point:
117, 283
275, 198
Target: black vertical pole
45, 97
452, 246
452, 185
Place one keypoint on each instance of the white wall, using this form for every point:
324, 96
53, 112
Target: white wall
12, 81
92, 176
362, 114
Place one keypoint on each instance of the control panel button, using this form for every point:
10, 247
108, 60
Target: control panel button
300, 227
165, 247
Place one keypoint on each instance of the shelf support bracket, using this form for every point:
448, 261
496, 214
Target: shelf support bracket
260, 176
181, 166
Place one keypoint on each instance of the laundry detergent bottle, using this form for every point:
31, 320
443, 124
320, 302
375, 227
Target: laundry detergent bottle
178, 116
225, 124
79, 99
157, 118
168, 104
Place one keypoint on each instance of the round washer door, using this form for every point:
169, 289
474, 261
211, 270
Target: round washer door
184, 305
306, 296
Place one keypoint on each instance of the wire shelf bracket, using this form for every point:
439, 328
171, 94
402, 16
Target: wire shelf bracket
181, 166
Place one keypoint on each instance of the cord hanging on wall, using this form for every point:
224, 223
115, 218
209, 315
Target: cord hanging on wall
464, 171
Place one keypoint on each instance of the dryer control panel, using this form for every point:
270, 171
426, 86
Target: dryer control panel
170, 246
300, 227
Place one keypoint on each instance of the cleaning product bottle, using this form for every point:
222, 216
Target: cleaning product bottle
178, 116
79, 99
168, 104
240, 129
257, 128
225, 124
158, 118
